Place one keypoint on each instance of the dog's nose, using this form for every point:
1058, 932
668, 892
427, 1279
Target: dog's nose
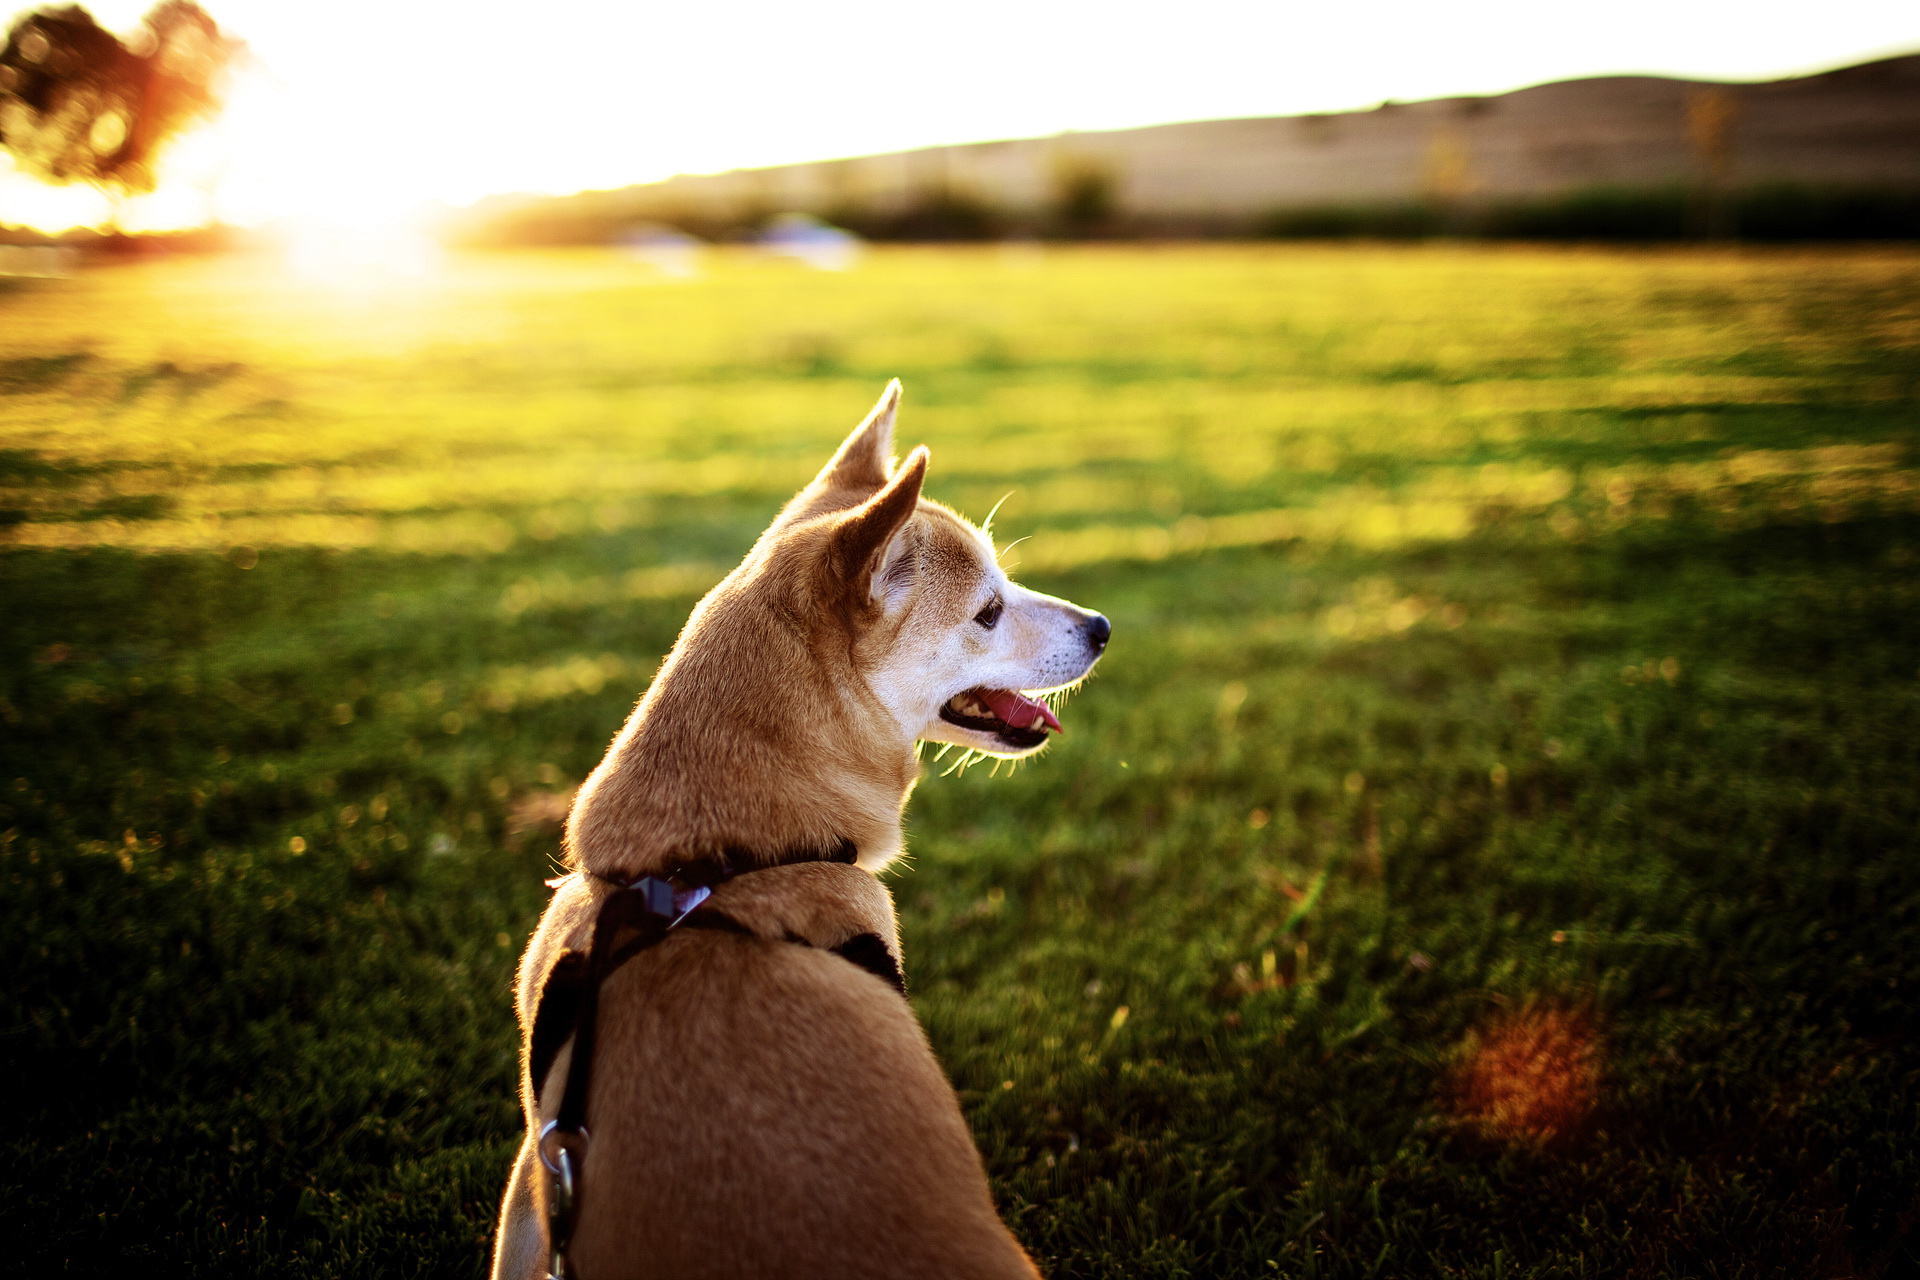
1098, 629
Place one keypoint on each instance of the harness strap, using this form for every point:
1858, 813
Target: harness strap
626, 926
564, 991
870, 952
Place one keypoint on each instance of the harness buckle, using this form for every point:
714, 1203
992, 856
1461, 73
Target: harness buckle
667, 899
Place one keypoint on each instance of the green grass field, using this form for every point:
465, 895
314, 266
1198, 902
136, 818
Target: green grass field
1488, 848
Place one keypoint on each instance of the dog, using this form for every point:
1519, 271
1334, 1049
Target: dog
759, 1099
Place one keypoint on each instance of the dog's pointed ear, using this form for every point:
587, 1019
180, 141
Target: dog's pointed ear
863, 457
866, 545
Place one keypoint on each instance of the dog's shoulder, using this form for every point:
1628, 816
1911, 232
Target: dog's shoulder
823, 904
566, 925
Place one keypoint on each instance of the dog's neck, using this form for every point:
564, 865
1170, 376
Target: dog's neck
735, 747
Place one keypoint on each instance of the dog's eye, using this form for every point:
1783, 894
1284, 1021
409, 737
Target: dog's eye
990, 615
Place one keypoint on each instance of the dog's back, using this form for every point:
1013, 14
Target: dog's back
809, 1130
777, 1111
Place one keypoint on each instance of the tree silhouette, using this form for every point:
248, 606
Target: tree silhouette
78, 105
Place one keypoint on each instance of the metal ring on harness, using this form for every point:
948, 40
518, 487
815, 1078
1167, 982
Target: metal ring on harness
555, 1144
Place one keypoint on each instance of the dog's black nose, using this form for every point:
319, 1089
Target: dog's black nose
1098, 629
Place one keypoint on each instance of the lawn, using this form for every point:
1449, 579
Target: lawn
1491, 846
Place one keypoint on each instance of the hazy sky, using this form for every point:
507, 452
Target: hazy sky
358, 109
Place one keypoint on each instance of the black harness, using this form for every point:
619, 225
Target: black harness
636, 916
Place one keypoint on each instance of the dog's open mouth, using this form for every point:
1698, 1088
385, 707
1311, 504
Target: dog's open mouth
1014, 718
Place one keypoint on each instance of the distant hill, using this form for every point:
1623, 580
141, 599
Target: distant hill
1836, 154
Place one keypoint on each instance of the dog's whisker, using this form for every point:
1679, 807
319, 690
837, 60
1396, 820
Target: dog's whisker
966, 761
986, 526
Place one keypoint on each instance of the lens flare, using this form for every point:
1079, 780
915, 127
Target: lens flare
1530, 1076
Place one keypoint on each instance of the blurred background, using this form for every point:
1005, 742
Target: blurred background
1663, 121
1488, 848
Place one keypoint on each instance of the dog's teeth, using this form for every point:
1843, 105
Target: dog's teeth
966, 704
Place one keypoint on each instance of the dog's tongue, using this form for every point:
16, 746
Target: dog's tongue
1018, 710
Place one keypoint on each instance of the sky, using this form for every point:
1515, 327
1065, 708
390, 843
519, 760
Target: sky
357, 111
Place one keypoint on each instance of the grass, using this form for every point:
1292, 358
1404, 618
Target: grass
1488, 849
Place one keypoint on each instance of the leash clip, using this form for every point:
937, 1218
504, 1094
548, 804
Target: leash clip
563, 1153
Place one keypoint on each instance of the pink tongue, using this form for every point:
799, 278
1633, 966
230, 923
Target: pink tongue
1019, 711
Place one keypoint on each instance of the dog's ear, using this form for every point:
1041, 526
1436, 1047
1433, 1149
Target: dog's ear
867, 546
862, 461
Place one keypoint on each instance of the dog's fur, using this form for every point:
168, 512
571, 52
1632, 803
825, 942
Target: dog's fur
761, 1108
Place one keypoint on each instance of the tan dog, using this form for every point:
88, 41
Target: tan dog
760, 1106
